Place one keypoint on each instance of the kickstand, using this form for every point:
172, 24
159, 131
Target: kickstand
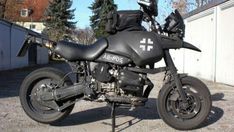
113, 116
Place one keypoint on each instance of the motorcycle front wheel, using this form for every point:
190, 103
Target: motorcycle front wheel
30, 90
184, 116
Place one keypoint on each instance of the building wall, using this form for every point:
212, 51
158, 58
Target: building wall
38, 7
13, 8
11, 40
200, 31
17, 39
213, 32
42, 55
5, 53
39, 26
225, 43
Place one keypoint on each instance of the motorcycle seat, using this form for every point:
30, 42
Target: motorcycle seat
74, 51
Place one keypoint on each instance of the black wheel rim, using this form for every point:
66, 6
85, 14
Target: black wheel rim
181, 111
32, 99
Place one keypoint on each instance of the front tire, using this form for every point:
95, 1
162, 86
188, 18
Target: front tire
179, 116
28, 95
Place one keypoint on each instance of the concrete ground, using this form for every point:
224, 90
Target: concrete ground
95, 117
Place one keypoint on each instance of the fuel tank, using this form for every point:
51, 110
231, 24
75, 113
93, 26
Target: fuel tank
141, 47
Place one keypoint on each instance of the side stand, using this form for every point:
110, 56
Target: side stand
113, 106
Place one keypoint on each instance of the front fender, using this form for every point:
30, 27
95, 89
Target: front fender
190, 46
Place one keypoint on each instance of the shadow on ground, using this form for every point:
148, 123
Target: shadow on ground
215, 115
149, 112
216, 112
9, 87
218, 97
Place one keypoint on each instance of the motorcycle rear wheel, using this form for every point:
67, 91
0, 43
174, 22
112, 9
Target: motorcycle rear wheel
29, 100
178, 115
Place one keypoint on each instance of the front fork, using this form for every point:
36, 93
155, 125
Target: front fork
170, 64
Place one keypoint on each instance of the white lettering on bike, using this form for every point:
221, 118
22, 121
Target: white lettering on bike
113, 58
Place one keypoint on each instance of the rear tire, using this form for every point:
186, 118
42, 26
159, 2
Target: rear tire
194, 114
31, 106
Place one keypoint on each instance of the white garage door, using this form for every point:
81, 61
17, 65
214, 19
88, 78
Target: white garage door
200, 31
225, 45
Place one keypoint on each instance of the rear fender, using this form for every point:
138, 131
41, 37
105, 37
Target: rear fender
29, 41
23, 50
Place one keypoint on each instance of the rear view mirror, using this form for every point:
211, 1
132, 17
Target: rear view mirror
149, 6
144, 2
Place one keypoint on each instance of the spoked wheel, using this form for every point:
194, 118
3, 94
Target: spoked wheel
31, 90
181, 115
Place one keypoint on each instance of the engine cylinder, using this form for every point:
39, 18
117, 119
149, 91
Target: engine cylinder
130, 81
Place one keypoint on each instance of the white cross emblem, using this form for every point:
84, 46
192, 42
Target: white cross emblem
146, 46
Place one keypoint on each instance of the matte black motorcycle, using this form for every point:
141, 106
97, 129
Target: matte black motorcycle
114, 70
